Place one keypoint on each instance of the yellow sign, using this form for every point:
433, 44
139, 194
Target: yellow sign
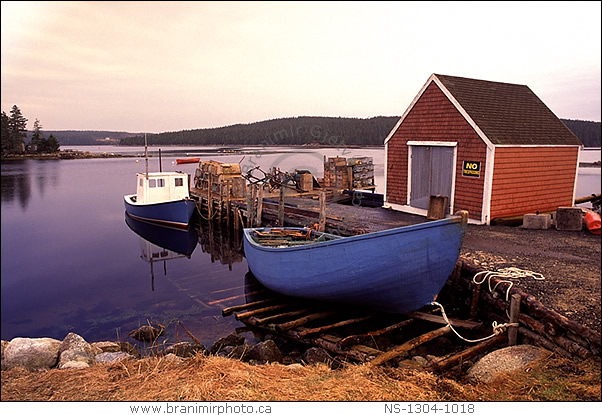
471, 168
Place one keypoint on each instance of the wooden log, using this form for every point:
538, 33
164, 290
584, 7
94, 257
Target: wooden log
541, 312
539, 340
474, 304
259, 205
304, 320
293, 313
514, 313
229, 310
234, 297
247, 314
330, 344
358, 338
281, 207
451, 361
316, 330
440, 320
409, 345
322, 221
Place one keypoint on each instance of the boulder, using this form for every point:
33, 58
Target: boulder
76, 353
32, 354
185, 349
112, 357
147, 333
266, 351
232, 339
504, 360
107, 346
315, 355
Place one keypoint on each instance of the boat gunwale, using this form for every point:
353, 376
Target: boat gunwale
128, 200
455, 219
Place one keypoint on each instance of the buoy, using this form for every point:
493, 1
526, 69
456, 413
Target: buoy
592, 222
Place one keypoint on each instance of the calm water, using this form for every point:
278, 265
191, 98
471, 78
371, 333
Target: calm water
70, 262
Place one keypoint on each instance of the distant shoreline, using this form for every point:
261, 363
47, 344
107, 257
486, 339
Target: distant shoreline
63, 155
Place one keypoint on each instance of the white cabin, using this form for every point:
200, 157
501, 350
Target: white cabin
161, 187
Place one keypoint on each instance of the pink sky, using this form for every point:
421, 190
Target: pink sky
168, 66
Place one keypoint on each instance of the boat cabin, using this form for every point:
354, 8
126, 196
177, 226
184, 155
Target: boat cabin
161, 187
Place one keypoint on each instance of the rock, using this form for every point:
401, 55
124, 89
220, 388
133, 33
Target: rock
147, 333
504, 360
4, 344
107, 346
75, 353
112, 357
128, 348
315, 355
266, 351
420, 360
232, 339
32, 354
185, 349
173, 358
239, 352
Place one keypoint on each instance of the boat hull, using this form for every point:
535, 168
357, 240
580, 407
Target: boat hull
189, 160
397, 270
176, 213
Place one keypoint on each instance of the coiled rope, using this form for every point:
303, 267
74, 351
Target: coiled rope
507, 274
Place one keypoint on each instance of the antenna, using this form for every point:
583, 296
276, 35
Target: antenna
146, 154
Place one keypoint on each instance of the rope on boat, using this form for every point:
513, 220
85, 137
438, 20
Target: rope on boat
497, 328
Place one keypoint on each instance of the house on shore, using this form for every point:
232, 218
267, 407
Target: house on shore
491, 148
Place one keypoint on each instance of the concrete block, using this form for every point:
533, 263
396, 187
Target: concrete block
537, 221
569, 219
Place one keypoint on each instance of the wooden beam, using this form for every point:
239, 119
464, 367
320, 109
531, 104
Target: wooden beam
465, 324
451, 361
409, 345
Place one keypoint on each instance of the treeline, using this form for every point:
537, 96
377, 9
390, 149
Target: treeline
587, 131
333, 131
330, 131
13, 135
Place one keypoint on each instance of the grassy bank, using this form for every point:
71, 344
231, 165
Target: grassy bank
220, 379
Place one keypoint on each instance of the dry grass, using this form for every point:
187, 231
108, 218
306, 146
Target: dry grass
221, 379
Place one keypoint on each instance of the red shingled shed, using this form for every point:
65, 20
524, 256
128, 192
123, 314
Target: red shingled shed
492, 148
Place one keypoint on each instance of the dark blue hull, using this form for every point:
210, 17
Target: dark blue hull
176, 213
397, 270
176, 240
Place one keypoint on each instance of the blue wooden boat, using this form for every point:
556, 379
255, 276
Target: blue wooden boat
396, 270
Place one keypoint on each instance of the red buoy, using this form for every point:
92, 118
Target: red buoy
592, 222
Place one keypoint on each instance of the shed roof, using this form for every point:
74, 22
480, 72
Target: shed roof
508, 114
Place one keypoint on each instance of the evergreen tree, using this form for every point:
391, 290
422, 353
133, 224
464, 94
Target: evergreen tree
5, 134
17, 126
52, 144
37, 138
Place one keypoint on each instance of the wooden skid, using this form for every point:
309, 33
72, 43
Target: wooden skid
343, 332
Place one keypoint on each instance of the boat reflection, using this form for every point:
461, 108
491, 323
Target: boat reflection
161, 243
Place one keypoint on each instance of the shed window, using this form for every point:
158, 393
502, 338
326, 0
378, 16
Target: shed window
152, 183
179, 181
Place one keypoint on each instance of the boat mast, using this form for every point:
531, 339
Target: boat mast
146, 154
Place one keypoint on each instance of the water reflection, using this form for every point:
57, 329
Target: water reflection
161, 244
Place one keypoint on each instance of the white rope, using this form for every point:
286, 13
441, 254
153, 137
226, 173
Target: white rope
497, 328
510, 272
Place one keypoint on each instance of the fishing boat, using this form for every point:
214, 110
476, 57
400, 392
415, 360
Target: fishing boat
396, 270
161, 198
188, 160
